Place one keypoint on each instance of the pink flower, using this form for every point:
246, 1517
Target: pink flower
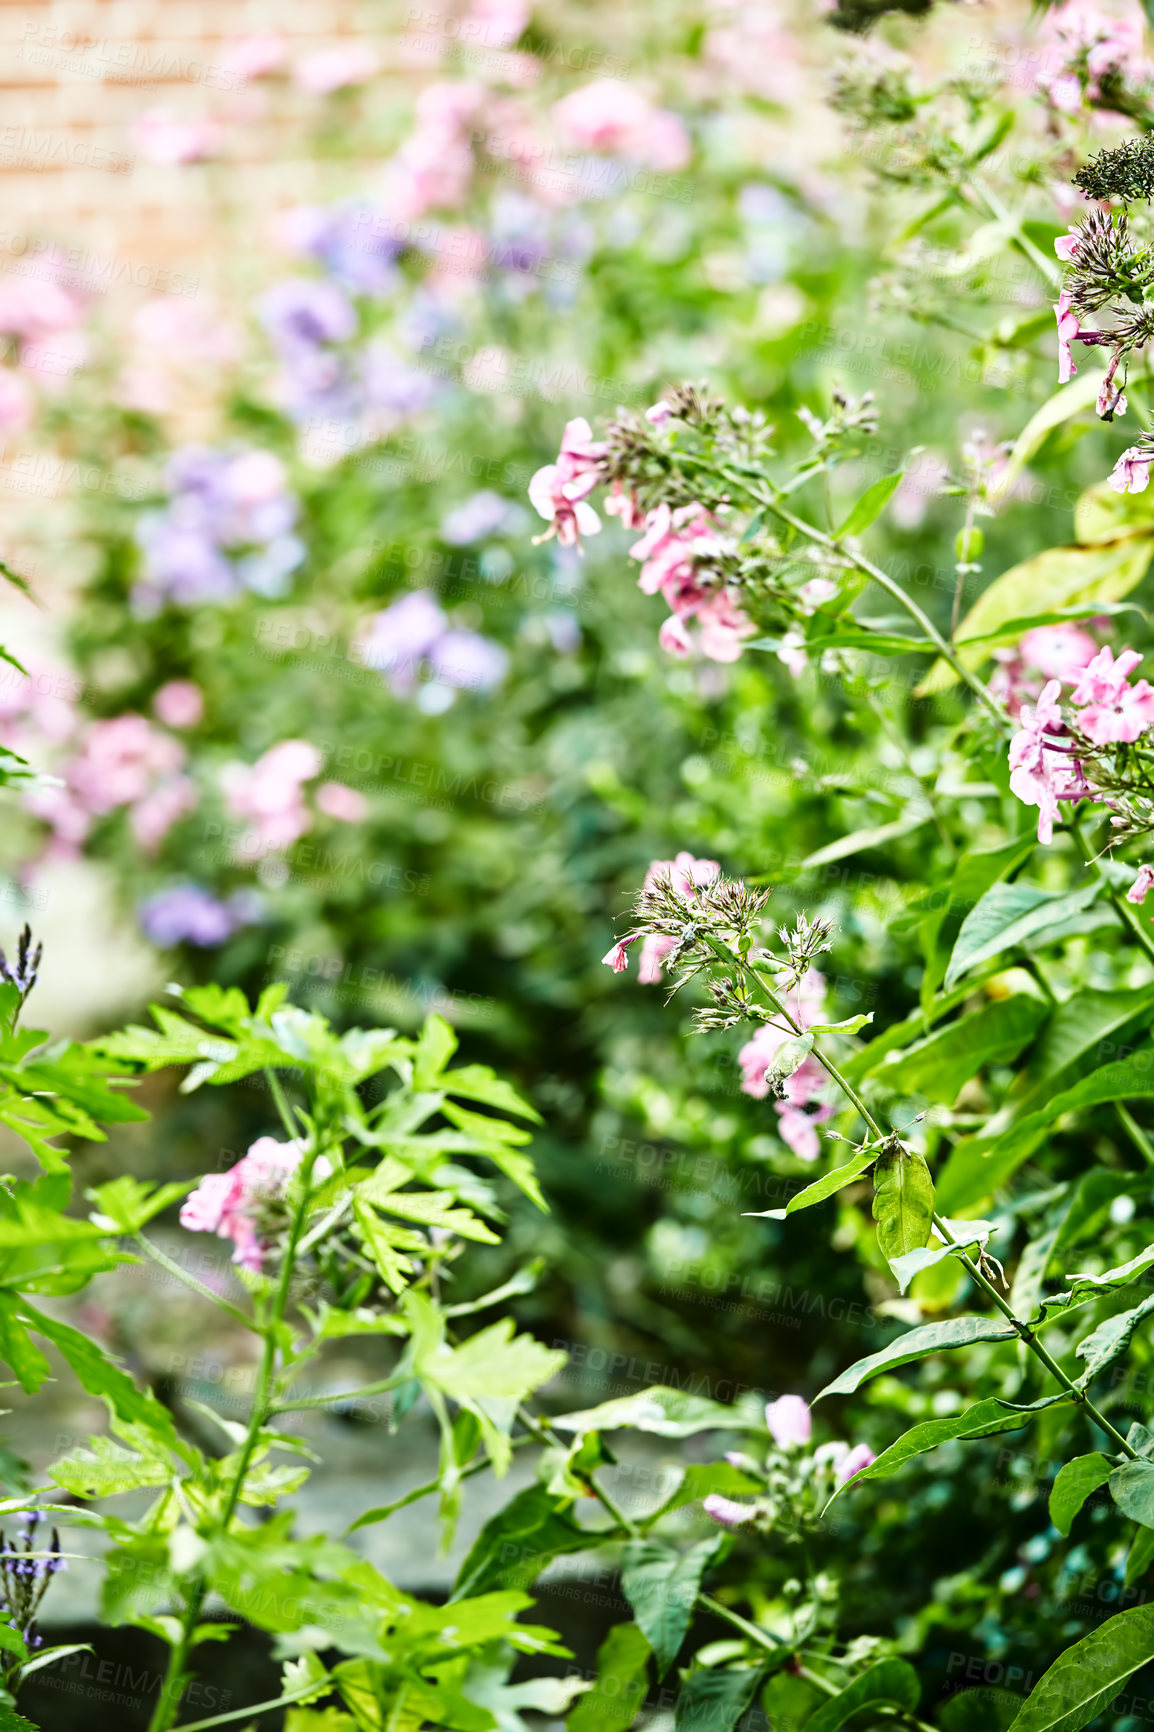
335, 69
1140, 888
336, 800
257, 56
502, 21
1068, 329
611, 116
659, 414
1058, 651
789, 1421
618, 958
1066, 246
674, 638
559, 490
235, 1205
17, 405
1103, 680
1041, 775
723, 627
860, 1456
654, 950
726, 1512
685, 872
1131, 473
1111, 399
624, 505
119, 762
164, 138
269, 793
1123, 718
153, 817
179, 704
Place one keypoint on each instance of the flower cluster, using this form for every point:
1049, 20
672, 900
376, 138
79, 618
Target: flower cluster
227, 527
798, 1482
1085, 748
269, 797
190, 914
1048, 652
680, 556
247, 1204
413, 645
25, 1572
1090, 60
125, 762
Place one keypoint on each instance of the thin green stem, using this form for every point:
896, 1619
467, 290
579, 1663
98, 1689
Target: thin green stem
246, 1713
1031, 1341
174, 1269
366, 1389
546, 1436
1013, 225
1123, 909
763, 1638
1140, 1140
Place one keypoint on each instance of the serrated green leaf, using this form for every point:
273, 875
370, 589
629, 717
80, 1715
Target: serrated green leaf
1073, 1484
478, 1083
101, 1375
662, 1586
127, 1205
434, 1049
106, 1468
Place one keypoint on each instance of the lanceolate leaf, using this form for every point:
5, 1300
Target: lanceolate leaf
1074, 1483
661, 1585
890, 1681
1009, 915
1085, 1679
985, 1419
612, 1704
715, 1700
938, 1066
663, 1411
916, 1344
823, 1187
871, 505
903, 1200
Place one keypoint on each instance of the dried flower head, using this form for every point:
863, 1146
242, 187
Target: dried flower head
1125, 173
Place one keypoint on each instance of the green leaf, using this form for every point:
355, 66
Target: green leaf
1074, 1482
386, 1245
939, 1066
790, 1055
913, 1263
126, 1205
11, 1721
888, 1681
950, 1333
435, 1048
478, 1083
836, 1180
859, 840
613, 1702
106, 1468
1110, 1340
1008, 915
714, 1701
903, 1203
100, 1375
1088, 1675
1140, 1556
985, 1710
661, 1586
851, 1025
516, 1544
871, 505
1132, 1488
985, 1419
18, 1351
663, 1411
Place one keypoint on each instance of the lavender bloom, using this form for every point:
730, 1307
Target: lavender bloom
726, 1512
23, 972
24, 1580
302, 314
225, 528
351, 242
188, 914
391, 385
413, 637
482, 515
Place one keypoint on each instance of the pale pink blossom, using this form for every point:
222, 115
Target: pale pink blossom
860, 1456
179, 704
1131, 473
119, 763
1066, 246
726, 1512
659, 413
335, 68
1140, 888
269, 794
789, 1421
1111, 399
1058, 651
1068, 330
337, 800
559, 491
1041, 775
654, 950
684, 872
165, 138
17, 404
501, 21
624, 505
235, 1205
618, 958
256, 56
153, 817
1104, 679
618, 119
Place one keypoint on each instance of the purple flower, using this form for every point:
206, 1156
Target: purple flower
860, 1457
304, 313
392, 385
187, 914
414, 637
353, 244
480, 516
726, 1512
468, 661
